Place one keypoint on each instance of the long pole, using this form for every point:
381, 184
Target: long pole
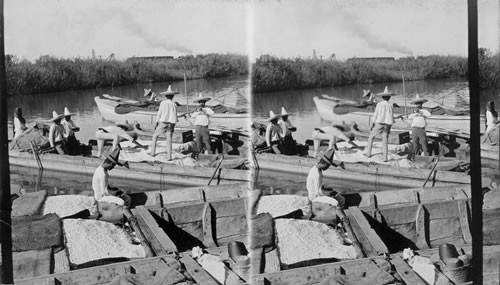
404, 93
185, 91
5, 203
475, 146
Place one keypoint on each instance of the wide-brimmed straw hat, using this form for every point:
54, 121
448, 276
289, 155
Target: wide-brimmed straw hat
284, 112
67, 112
147, 92
201, 98
327, 157
366, 93
273, 116
56, 116
386, 93
113, 157
418, 100
169, 92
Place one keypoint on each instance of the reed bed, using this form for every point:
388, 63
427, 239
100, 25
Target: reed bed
51, 74
271, 73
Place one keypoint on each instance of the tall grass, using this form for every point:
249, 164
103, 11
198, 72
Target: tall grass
50, 74
272, 73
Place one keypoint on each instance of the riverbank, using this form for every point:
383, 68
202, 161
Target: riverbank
272, 73
51, 74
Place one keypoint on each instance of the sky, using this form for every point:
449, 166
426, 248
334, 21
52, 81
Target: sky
291, 28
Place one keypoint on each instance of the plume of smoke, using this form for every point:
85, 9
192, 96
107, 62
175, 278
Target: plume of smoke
349, 22
152, 39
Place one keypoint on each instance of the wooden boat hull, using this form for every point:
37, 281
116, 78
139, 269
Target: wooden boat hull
457, 124
170, 174
148, 118
374, 174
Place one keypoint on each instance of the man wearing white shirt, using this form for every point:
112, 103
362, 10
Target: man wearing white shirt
316, 191
418, 123
100, 179
383, 119
201, 121
165, 122
273, 133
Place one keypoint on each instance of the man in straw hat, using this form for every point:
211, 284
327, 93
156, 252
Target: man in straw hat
289, 144
383, 119
70, 128
165, 121
57, 135
201, 121
100, 180
418, 123
316, 191
118, 133
153, 98
333, 134
273, 133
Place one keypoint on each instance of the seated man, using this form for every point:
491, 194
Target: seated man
100, 181
57, 134
70, 128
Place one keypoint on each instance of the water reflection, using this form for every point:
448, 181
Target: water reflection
38, 107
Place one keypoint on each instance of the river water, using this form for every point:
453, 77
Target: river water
306, 118
39, 107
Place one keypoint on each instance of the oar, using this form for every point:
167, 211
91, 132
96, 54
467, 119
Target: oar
432, 170
217, 168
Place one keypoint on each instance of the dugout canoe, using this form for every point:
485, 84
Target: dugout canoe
375, 174
147, 117
458, 124
161, 172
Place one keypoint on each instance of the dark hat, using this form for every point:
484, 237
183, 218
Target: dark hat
113, 157
201, 98
327, 157
418, 100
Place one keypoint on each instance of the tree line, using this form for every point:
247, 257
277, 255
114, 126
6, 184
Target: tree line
270, 73
52, 74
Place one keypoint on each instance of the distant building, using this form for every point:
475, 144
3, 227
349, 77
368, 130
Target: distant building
371, 59
151, 58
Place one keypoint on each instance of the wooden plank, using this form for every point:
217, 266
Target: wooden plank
365, 244
208, 234
441, 228
257, 260
102, 274
196, 271
456, 240
230, 226
61, 262
377, 243
149, 237
193, 212
421, 229
195, 229
167, 245
407, 274
272, 261
317, 273
464, 220
32, 263
407, 230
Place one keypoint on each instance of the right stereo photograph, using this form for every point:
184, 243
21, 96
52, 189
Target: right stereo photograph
361, 142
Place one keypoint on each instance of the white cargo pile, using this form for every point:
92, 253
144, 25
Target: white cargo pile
67, 205
91, 240
302, 240
280, 205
